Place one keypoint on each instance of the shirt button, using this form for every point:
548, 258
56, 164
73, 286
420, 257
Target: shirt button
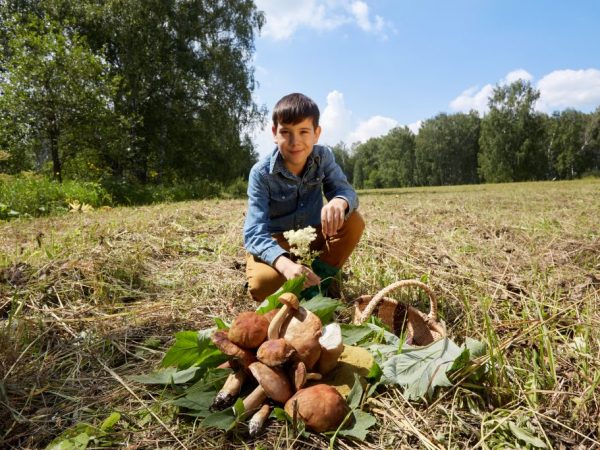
301, 204
283, 197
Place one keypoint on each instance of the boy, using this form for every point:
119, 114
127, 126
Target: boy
285, 192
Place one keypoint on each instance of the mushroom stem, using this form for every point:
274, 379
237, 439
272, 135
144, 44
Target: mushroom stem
256, 398
230, 390
258, 420
332, 347
290, 303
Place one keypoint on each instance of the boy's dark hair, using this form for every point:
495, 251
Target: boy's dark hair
294, 108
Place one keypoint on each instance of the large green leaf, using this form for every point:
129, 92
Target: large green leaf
294, 286
192, 348
354, 334
323, 307
198, 397
421, 369
526, 436
167, 376
361, 422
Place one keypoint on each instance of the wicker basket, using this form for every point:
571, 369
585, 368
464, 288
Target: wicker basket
419, 328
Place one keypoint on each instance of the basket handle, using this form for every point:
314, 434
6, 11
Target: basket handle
377, 298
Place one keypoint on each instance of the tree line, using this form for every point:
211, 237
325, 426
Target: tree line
128, 91
512, 142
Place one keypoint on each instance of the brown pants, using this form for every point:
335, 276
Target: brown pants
263, 279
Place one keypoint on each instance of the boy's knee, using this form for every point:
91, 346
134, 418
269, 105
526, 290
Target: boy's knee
356, 225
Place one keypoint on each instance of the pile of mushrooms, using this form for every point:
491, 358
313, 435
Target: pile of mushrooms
282, 350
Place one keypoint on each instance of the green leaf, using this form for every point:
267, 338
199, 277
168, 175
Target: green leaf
198, 397
361, 422
238, 408
461, 361
224, 420
294, 286
323, 307
168, 376
526, 436
280, 414
421, 369
192, 348
75, 438
353, 334
110, 421
375, 372
221, 325
355, 394
476, 347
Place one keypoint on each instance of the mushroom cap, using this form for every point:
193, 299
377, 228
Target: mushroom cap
248, 330
223, 343
275, 352
290, 300
303, 330
273, 380
321, 407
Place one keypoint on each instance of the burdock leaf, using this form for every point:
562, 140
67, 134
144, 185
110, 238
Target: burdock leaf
355, 394
294, 286
168, 376
353, 334
361, 422
224, 420
192, 348
323, 307
421, 369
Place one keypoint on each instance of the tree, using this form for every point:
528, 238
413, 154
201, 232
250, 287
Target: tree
55, 97
512, 139
344, 159
446, 150
396, 158
591, 145
566, 143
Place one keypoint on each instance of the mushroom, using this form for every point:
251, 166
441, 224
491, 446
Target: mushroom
321, 407
223, 343
302, 330
258, 420
332, 347
272, 383
242, 359
290, 304
248, 330
269, 315
275, 352
301, 375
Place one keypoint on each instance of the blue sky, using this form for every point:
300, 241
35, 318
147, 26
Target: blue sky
374, 64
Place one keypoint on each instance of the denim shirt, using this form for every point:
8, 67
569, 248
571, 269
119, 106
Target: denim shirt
279, 201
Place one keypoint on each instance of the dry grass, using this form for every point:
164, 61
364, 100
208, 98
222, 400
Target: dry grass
515, 265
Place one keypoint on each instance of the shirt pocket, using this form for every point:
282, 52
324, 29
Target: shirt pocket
282, 199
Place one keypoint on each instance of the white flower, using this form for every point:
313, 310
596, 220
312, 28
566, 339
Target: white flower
299, 241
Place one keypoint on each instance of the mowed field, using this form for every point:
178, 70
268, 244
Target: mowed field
87, 300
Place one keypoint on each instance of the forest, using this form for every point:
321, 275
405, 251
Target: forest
138, 98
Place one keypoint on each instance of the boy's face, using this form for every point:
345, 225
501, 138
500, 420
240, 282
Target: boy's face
295, 143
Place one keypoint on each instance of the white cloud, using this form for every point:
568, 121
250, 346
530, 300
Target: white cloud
336, 120
373, 127
415, 126
559, 89
569, 89
285, 17
477, 99
473, 98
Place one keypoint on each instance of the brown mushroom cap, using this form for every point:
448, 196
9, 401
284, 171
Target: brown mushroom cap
248, 330
223, 343
273, 380
275, 352
290, 300
302, 330
321, 407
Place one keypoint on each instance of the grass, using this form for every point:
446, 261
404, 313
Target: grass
86, 300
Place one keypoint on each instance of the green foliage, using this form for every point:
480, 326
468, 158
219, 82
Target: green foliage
513, 137
294, 286
192, 348
33, 195
446, 150
323, 307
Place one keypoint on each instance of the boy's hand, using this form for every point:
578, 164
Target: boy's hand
289, 269
332, 216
